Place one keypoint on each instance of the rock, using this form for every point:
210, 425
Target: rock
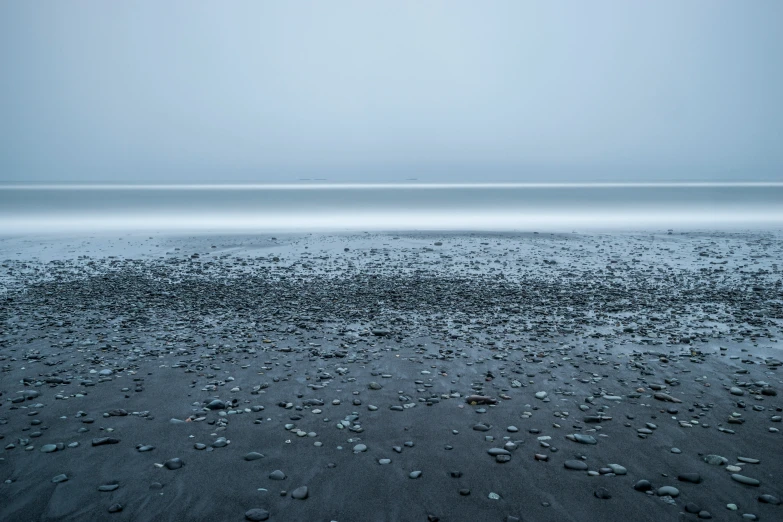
642, 485
253, 455
583, 439
115, 508
480, 399
665, 397
142, 448
742, 479
498, 451
618, 469
602, 493
257, 515
414, 474
60, 478
359, 448
175, 463
374, 386
736, 391
48, 448
578, 465
693, 478
716, 460
769, 499
216, 405
541, 395
277, 475
108, 487
101, 441
300, 493
669, 491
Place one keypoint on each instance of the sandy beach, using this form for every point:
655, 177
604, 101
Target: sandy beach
391, 376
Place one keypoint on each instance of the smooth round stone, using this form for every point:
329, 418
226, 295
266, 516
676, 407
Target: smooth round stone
512, 429
736, 391
704, 514
115, 508
502, 458
277, 475
174, 463
464, 492
742, 479
618, 469
541, 395
578, 465
732, 507
494, 496
602, 493
733, 469
60, 478
769, 499
676, 450
384, 461
693, 478
584, 439
253, 455
108, 487
669, 491
716, 460
200, 446
415, 474
359, 448
690, 507
498, 451
48, 448
144, 448
300, 493
257, 515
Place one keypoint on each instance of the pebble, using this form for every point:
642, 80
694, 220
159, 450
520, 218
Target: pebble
742, 479
277, 475
257, 515
175, 463
253, 455
300, 493
578, 465
414, 474
668, 491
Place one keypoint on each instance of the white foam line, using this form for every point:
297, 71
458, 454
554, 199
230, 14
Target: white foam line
390, 221
369, 186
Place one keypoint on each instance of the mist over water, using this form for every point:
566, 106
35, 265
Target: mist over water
311, 207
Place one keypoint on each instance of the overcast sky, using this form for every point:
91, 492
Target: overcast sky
385, 90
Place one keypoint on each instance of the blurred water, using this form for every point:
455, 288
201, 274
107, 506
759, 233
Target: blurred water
69, 208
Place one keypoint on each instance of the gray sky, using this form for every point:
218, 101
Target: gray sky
384, 90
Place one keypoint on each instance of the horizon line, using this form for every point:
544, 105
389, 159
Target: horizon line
384, 185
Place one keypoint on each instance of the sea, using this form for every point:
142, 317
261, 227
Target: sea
318, 206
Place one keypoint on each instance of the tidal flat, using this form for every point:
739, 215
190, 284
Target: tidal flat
392, 376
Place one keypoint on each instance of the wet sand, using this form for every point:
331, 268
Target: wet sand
348, 361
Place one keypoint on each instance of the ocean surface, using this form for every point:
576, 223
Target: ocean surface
44, 209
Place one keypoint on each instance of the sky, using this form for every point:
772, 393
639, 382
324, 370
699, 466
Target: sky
452, 90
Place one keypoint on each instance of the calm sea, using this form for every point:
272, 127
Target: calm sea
415, 206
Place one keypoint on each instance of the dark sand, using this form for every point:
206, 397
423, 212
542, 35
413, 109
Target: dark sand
280, 330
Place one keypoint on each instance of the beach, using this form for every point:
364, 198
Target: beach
391, 376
